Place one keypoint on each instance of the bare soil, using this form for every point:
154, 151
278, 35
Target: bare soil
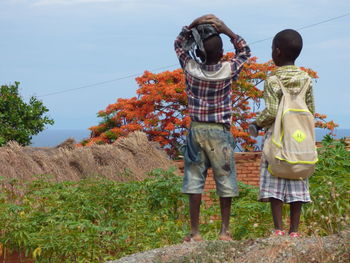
314, 249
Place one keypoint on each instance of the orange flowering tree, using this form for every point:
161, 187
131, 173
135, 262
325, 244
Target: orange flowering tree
160, 108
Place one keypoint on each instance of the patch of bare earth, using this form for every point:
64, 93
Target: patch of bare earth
129, 158
334, 248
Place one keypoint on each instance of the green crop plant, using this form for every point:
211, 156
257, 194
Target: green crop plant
95, 219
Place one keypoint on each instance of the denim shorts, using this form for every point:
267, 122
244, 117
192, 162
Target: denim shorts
209, 145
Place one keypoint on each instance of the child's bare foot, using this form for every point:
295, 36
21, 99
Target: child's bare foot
225, 236
193, 238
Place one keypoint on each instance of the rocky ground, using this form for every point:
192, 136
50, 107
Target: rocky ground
335, 248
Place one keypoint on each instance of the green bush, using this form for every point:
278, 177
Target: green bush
250, 218
19, 121
330, 190
92, 220
95, 220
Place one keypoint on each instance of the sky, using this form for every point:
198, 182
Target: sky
54, 45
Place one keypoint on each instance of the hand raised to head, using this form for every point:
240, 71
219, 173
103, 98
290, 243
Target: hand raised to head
202, 20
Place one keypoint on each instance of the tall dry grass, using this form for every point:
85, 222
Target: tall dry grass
129, 158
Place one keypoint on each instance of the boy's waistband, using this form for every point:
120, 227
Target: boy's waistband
210, 125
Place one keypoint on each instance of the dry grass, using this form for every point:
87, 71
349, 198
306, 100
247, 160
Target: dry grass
129, 158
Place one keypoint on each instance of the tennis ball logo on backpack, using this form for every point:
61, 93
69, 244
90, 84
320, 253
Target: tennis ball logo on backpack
299, 136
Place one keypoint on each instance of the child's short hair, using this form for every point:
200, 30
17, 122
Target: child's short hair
289, 43
213, 47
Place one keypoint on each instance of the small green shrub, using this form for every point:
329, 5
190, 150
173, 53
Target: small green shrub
92, 220
250, 218
95, 220
330, 190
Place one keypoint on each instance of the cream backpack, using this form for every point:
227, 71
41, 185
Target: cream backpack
290, 150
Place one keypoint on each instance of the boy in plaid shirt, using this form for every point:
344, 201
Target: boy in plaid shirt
210, 142
286, 47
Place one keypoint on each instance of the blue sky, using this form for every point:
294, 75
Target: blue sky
53, 45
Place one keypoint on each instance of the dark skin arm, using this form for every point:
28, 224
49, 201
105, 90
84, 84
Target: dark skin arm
199, 20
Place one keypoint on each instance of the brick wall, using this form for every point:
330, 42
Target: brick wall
247, 168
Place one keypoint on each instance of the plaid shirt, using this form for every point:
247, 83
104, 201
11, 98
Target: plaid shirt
208, 87
293, 79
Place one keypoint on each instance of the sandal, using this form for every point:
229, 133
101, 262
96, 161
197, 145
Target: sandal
278, 232
294, 234
192, 238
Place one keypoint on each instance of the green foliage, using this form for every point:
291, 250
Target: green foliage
330, 190
95, 220
92, 220
20, 120
250, 218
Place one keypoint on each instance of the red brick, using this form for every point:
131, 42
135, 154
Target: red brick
247, 169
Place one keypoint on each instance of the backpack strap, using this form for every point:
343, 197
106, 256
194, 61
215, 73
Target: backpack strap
302, 91
305, 87
284, 90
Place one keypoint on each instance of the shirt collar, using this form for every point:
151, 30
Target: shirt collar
211, 67
287, 68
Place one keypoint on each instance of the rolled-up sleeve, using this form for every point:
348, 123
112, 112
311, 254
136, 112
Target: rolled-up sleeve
181, 54
242, 55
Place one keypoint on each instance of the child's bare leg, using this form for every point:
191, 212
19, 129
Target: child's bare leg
295, 211
276, 208
195, 203
225, 207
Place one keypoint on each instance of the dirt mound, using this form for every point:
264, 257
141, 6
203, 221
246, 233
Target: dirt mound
128, 158
333, 248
